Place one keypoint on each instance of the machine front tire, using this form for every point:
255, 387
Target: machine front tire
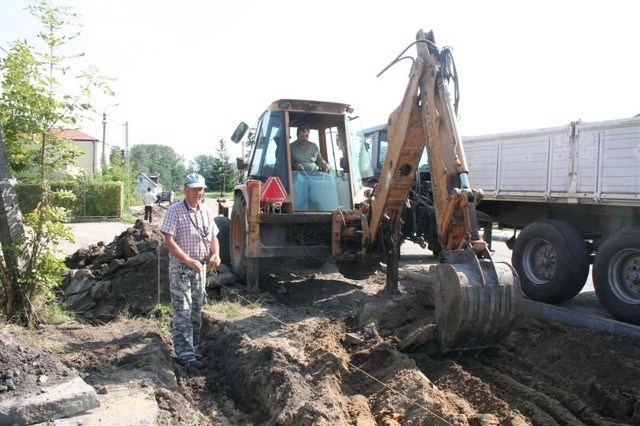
224, 225
238, 239
616, 274
552, 261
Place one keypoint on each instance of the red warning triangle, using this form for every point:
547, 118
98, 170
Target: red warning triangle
273, 191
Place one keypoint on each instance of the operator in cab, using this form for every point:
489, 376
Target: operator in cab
305, 155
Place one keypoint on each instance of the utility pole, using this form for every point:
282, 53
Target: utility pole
104, 134
126, 166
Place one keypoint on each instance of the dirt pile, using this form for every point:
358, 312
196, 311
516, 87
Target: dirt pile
130, 275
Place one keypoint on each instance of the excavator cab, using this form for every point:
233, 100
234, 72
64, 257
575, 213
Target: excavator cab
314, 189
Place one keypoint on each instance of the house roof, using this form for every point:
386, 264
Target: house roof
75, 135
148, 179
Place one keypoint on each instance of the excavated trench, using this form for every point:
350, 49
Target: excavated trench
318, 349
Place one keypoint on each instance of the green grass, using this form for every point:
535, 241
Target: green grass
127, 217
162, 315
232, 310
105, 366
214, 195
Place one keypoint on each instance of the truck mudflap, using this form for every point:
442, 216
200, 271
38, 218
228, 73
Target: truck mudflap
477, 301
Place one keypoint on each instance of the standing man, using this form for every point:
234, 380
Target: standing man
148, 198
305, 155
190, 236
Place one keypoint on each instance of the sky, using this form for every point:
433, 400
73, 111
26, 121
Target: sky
187, 72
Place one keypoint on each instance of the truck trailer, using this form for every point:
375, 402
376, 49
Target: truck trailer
571, 194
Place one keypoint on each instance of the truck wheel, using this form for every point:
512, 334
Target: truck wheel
552, 261
223, 225
238, 239
357, 269
616, 274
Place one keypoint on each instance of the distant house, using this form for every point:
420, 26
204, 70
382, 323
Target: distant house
144, 181
89, 160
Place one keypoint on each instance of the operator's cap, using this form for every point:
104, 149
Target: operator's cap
194, 180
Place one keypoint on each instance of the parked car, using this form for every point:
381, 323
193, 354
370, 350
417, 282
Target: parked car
165, 196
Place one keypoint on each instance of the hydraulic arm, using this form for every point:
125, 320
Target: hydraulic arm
477, 300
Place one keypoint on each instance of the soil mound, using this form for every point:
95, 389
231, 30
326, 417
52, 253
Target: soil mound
128, 275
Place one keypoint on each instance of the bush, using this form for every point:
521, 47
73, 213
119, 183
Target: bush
92, 199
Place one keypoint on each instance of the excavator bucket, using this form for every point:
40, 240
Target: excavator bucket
476, 301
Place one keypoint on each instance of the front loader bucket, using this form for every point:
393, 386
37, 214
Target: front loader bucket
477, 302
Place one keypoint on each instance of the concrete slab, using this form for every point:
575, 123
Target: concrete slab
592, 319
121, 405
66, 399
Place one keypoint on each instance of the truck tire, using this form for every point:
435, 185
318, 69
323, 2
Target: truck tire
616, 274
238, 239
223, 225
552, 261
357, 269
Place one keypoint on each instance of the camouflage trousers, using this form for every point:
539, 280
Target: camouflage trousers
187, 298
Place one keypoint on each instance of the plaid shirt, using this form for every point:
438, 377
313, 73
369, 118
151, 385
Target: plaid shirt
191, 229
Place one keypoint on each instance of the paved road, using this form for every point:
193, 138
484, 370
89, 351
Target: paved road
88, 233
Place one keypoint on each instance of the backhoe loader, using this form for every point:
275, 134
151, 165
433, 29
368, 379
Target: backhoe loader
279, 212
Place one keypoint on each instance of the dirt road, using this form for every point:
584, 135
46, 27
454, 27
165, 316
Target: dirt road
316, 348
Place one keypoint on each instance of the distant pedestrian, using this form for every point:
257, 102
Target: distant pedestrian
190, 235
148, 198
171, 194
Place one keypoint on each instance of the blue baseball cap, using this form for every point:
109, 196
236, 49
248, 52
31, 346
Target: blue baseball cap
194, 180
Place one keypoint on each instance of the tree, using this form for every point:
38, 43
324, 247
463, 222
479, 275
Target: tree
159, 160
219, 173
33, 107
204, 165
224, 172
116, 172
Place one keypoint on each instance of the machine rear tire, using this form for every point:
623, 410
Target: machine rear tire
552, 261
238, 239
224, 225
357, 269
616, 274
